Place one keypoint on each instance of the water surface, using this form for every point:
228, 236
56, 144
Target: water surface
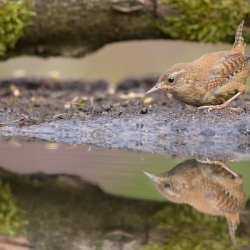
84, 197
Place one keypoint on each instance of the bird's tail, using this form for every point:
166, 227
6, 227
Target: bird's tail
233, 221
239, 44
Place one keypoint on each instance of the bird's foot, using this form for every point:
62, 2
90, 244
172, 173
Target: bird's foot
237, 110
223, 105
213, 107
219, 107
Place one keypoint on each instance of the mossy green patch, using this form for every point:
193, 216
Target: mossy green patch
11, 216
15, 16
190, 229
205, 20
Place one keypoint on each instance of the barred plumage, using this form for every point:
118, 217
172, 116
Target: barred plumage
239, 40
211, 82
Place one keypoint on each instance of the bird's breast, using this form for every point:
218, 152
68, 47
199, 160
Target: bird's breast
193, 90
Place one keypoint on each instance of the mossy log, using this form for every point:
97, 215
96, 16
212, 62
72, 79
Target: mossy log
75, 28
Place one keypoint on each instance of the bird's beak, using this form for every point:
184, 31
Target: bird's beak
155, 88
154, 178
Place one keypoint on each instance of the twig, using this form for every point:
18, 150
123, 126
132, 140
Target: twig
76, 103
59, 115
75, 146
17, 120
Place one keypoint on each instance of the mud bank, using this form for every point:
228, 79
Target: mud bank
101, 114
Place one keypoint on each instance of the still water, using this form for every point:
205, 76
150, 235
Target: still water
60, 196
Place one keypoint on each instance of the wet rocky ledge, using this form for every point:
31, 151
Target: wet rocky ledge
107, 115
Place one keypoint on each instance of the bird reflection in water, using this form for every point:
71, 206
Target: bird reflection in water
208, 187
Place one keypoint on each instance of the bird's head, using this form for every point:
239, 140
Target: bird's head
171, 78
167, 186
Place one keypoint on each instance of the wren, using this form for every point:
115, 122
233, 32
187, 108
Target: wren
213, 81
207, 187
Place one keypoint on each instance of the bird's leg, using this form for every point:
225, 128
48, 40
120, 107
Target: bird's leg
224, 105
221, 163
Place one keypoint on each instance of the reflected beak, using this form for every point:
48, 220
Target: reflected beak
154, 178
155, 88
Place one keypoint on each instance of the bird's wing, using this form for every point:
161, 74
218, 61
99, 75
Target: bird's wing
225, 69
222, 201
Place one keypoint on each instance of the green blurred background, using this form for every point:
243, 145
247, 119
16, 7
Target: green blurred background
116, 171
116, 61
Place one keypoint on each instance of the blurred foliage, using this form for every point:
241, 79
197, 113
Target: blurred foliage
11, 217
190, 229
14, 17
205, 20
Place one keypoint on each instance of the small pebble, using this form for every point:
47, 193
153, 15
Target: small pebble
144, 111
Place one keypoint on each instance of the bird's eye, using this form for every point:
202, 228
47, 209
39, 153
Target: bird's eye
167, 186
171, 79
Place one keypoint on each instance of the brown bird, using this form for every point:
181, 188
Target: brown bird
213, 81
207, 187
